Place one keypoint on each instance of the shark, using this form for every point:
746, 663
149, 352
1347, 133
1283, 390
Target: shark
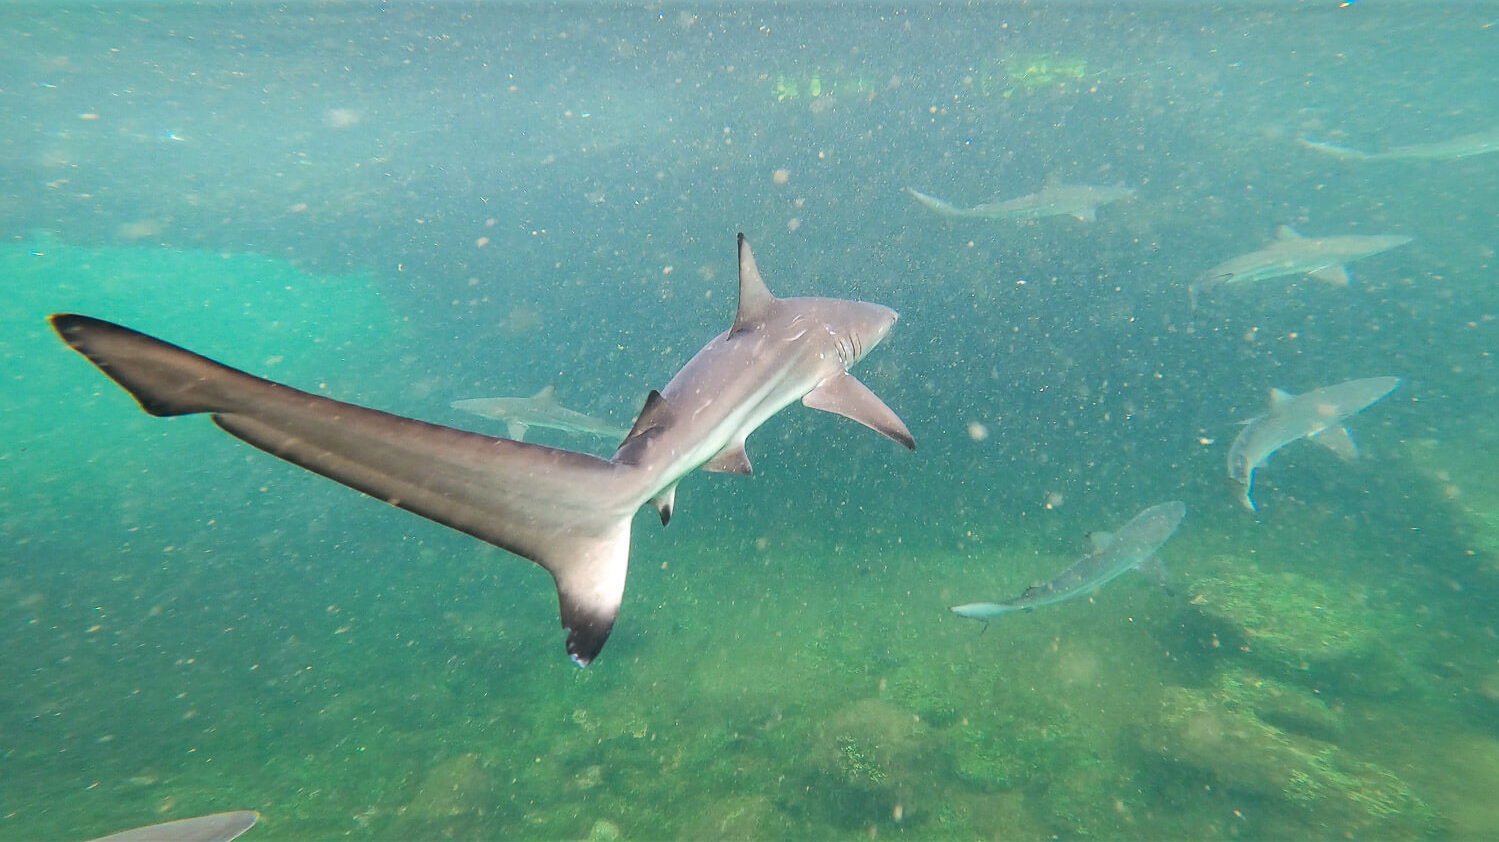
1317, 415
568, 512
1465, 146
1322, 258
1113, 555
219, 827
540, 410
1080, 201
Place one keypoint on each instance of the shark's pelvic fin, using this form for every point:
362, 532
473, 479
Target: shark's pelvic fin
844, 395
653, 417
731, 460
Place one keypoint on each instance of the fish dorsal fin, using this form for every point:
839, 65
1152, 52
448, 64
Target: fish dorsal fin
843, 394
1279, 397
653, 416
754, 297
1338, 441
547, 395
1100, 541
1286, 232
731, 460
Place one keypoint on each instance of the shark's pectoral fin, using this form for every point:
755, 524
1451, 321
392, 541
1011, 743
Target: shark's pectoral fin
1336, 274
516, 430
730, 460
844, 395
1086, 214
1338, 441
590, 574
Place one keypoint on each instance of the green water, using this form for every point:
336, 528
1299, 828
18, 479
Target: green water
413, 205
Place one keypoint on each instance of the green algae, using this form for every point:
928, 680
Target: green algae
1227, 733
1287, 617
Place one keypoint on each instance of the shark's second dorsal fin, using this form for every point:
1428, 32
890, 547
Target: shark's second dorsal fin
653, 416
754, 296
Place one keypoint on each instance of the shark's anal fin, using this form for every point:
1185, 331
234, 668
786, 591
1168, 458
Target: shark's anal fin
844, 395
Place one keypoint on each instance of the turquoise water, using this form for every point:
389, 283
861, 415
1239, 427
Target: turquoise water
410, 205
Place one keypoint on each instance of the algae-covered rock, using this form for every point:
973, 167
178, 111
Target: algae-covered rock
1216, 732
869, 759
1288, 618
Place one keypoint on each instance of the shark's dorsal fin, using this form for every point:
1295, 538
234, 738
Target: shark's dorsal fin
754, 296
1100, 541
844, 395
731, 460
1279, 397
1286, 232
653, 416
547, 395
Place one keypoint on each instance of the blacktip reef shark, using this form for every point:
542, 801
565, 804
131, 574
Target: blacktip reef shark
1317, 415
1076, 200
540, 410
1466, 146
1113, 555
1322, 258
568, 512
219, 827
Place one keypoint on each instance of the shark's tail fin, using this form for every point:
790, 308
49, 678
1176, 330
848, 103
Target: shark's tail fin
560, 509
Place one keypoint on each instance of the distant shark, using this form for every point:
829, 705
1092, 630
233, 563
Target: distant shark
1317, 415
568, 512
1113, 555
540, 410
1292, 254
219, 827
1466, 146
1076, 200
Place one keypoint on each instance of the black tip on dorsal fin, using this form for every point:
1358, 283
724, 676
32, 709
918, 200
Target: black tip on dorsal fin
754, 296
